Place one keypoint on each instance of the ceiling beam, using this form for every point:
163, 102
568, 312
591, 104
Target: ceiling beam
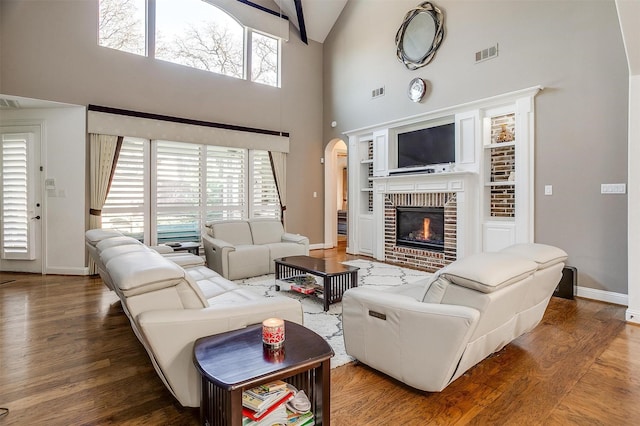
303, 28
264, 9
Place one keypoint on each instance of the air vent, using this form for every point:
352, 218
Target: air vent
9, 104
376, 93
486, 54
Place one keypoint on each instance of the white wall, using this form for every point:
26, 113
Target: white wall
64, 147
49, 51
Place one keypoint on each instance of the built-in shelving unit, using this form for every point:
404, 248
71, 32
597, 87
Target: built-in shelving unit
493, 156
500, 163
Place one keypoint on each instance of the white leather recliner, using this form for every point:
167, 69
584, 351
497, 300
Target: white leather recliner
429, 333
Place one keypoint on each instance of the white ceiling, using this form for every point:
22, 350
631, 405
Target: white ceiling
319, 15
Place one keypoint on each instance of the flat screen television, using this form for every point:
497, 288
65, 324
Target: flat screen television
425, 147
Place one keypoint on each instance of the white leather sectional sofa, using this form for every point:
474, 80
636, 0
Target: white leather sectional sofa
429, 333
247, 248
171, 300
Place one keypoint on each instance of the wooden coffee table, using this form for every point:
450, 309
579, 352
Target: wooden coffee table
234, 361
336, 277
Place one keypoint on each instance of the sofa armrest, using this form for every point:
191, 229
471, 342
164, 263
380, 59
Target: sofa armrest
216, 253
418, 343
170, 336
162, 249
295, 238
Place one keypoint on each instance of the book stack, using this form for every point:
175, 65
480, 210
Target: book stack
299, 419
273, 404
305, 284
264, 405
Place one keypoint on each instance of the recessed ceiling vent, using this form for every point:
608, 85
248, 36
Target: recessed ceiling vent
9, 104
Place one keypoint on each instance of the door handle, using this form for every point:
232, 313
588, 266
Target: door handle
36, 217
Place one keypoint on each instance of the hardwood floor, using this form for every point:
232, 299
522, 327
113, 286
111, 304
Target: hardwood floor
68, 356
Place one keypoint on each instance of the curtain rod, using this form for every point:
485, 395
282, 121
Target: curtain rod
182, 120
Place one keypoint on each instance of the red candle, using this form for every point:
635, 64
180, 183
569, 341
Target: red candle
273, 332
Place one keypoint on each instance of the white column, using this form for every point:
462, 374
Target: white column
633, 202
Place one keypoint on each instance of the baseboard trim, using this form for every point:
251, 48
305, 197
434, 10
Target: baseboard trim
603, 296
632, 316
320, 246
54, 270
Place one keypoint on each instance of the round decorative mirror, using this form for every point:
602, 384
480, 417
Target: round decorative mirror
420, 35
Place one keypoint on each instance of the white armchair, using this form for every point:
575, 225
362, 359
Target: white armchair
429, 333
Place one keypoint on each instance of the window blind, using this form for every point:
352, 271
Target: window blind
16, 233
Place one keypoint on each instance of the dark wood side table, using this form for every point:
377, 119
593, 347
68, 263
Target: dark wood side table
234, 361
336, 277
188, 246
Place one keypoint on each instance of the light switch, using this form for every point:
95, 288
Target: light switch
613, 188
548, 190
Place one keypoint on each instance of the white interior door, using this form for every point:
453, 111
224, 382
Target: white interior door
20, 199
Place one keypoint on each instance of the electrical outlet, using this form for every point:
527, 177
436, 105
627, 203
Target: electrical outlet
548, 190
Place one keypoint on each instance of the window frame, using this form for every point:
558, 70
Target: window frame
150, 43
151, 211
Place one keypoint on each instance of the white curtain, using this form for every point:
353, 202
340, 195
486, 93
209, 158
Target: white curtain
104, 151
279, 167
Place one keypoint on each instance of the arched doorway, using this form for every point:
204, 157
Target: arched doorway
335, 192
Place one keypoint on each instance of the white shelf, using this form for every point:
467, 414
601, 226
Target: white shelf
505, 183
367, 161
500, 145
366, 189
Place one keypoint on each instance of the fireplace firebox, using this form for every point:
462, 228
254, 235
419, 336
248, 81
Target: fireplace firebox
421, 227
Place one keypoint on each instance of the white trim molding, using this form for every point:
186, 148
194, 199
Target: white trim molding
632, 316
56, 270
603, 296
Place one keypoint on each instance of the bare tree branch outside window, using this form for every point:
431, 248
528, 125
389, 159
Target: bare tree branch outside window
199, 35
264, 57
210, 46
120, 27
191, 33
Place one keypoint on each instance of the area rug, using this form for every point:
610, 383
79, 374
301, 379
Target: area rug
329, 324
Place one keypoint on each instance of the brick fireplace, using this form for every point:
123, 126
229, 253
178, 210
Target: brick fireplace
455, 192
416, 257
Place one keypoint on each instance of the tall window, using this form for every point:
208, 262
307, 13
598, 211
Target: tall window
199, 35
192, 33
264, 194
121, 25
264, 59
166, 191
226, 183
14, 169
128, 198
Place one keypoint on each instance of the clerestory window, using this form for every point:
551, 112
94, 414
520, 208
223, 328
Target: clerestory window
192, 33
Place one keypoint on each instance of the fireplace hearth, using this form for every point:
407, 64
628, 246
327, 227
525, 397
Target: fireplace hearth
420, 227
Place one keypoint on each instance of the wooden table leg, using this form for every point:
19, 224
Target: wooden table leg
324, 377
